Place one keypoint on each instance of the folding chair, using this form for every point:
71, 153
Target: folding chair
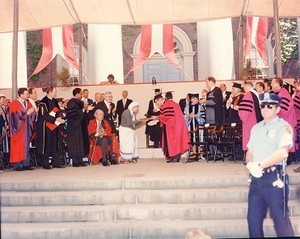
199, 143
229, 142
210, 137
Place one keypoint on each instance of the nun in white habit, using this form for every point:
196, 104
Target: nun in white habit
127, 133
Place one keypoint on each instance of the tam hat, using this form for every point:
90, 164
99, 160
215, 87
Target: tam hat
237, 85
269, 98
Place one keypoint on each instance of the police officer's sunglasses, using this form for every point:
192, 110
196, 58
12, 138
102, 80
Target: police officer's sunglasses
269, 106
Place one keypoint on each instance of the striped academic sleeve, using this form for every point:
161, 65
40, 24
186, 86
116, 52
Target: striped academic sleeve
297, 102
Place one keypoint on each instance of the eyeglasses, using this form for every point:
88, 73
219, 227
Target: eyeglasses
268, 106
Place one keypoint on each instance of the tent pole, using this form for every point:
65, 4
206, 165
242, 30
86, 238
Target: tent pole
241, 46
15, 51
80, 52
277, 39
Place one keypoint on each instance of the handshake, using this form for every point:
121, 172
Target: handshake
255, 169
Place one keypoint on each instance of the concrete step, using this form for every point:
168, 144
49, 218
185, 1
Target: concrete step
131, 182
172, 229
60, 198
119, 212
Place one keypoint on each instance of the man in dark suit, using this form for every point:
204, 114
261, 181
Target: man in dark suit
85, 97
226, 96
184, 102
213, 103
109, 109
122, 105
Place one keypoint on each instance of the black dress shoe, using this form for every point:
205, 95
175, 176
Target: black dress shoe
28, 168
59, 166
19, 169
76, 165
173, 160
105, 164
114, 162
47, 167
83, 164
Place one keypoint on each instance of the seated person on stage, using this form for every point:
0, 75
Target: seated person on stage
100, 131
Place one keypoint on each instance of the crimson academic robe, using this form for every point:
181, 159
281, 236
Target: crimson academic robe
287, 111
95, 151
176, 138
250, 115
21, 128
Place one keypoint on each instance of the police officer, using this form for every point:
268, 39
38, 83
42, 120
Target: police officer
268, 149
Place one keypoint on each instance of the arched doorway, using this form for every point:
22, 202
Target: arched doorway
161, 69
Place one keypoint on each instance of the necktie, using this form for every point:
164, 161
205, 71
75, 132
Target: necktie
100, 129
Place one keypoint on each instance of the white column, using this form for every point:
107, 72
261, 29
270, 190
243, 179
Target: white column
105, 53
6, 60
215, 49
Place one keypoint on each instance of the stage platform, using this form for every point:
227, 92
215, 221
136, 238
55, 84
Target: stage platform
149, 199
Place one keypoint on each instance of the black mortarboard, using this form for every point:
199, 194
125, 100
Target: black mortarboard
157, 90
158, 97
269, 98
194, 96
168, 94
237, 85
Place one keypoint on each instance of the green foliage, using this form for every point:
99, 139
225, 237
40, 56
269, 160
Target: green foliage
194, 42
128, 32
288, 39
34, 51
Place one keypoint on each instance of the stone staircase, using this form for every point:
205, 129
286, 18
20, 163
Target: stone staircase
132, 208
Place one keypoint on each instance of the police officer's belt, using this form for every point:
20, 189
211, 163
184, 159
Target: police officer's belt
274, 168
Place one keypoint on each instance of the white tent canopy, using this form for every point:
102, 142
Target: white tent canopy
39, 14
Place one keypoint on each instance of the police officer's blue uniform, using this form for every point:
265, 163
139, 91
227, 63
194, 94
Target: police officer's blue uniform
265, 139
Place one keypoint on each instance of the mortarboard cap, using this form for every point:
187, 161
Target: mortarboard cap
269, 98
157, 90
158, 97
237, 85
168, 94
194, 96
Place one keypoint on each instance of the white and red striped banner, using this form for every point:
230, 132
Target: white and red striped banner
156, 38
256, 34
57, 40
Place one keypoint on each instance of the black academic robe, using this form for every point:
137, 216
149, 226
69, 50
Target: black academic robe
154, 131
233, 115
78, 143
121, 108
47, 139
110, 117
